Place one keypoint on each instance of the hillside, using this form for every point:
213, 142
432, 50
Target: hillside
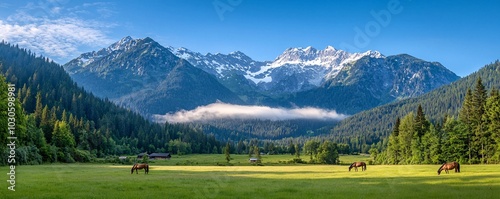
372, 125
66, 123
144, 76
371, 82
147, 78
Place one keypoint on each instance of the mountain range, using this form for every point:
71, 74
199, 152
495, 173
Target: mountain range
296, 69
144, 76
375, 124
49, 98
151, 79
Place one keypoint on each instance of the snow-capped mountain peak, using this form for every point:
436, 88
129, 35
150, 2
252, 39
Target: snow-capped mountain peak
306, 56
374, 54
121, 44
310, 66
330, 48
219, 64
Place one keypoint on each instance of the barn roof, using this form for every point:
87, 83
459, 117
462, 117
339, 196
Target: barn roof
159, 155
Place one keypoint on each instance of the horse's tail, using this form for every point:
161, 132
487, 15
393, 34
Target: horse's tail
458, 167
147, 168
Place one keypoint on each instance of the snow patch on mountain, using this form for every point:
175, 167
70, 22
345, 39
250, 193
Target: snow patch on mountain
317, 64
296, 69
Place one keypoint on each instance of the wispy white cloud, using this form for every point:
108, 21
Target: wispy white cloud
49, 28
222, 110
60, 38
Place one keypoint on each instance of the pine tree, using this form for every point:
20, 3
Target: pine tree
480, 136
3, 113
64, 116
227, 152
393, 150
406, 132
44, 120
373, 152
38, 108
395, 130
434, 143
62, 137
240, 147
455, 141
421, 124
465, 117
492, 119
466, 111
416, 149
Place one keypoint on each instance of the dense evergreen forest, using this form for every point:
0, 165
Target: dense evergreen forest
57, 121
246, 129
374, 126
472, 137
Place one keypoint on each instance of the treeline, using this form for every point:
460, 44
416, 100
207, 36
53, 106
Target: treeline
247, 129
472, 137
58, 121
273, 147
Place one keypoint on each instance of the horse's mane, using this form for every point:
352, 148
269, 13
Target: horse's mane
441, 166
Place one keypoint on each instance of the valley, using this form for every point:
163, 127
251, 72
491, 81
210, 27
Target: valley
322, 181
249, 99
157, 82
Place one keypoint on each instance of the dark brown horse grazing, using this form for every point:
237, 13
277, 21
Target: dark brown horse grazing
449, 166
358, 164
140, 166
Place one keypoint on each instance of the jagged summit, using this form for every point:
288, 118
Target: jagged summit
110, 58
310, 66
143, 75
329, 57
144, 65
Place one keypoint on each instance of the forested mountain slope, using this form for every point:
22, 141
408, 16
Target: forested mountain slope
92, 127
371, 82
370, 126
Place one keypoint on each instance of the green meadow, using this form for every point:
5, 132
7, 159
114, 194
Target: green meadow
251, 181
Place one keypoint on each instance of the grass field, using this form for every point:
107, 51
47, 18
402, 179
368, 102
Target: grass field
242, 160
278, 181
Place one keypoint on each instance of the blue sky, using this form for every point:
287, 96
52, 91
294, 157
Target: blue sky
462, 35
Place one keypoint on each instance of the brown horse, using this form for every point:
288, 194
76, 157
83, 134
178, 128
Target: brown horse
140, 166
358, 164
449, 166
